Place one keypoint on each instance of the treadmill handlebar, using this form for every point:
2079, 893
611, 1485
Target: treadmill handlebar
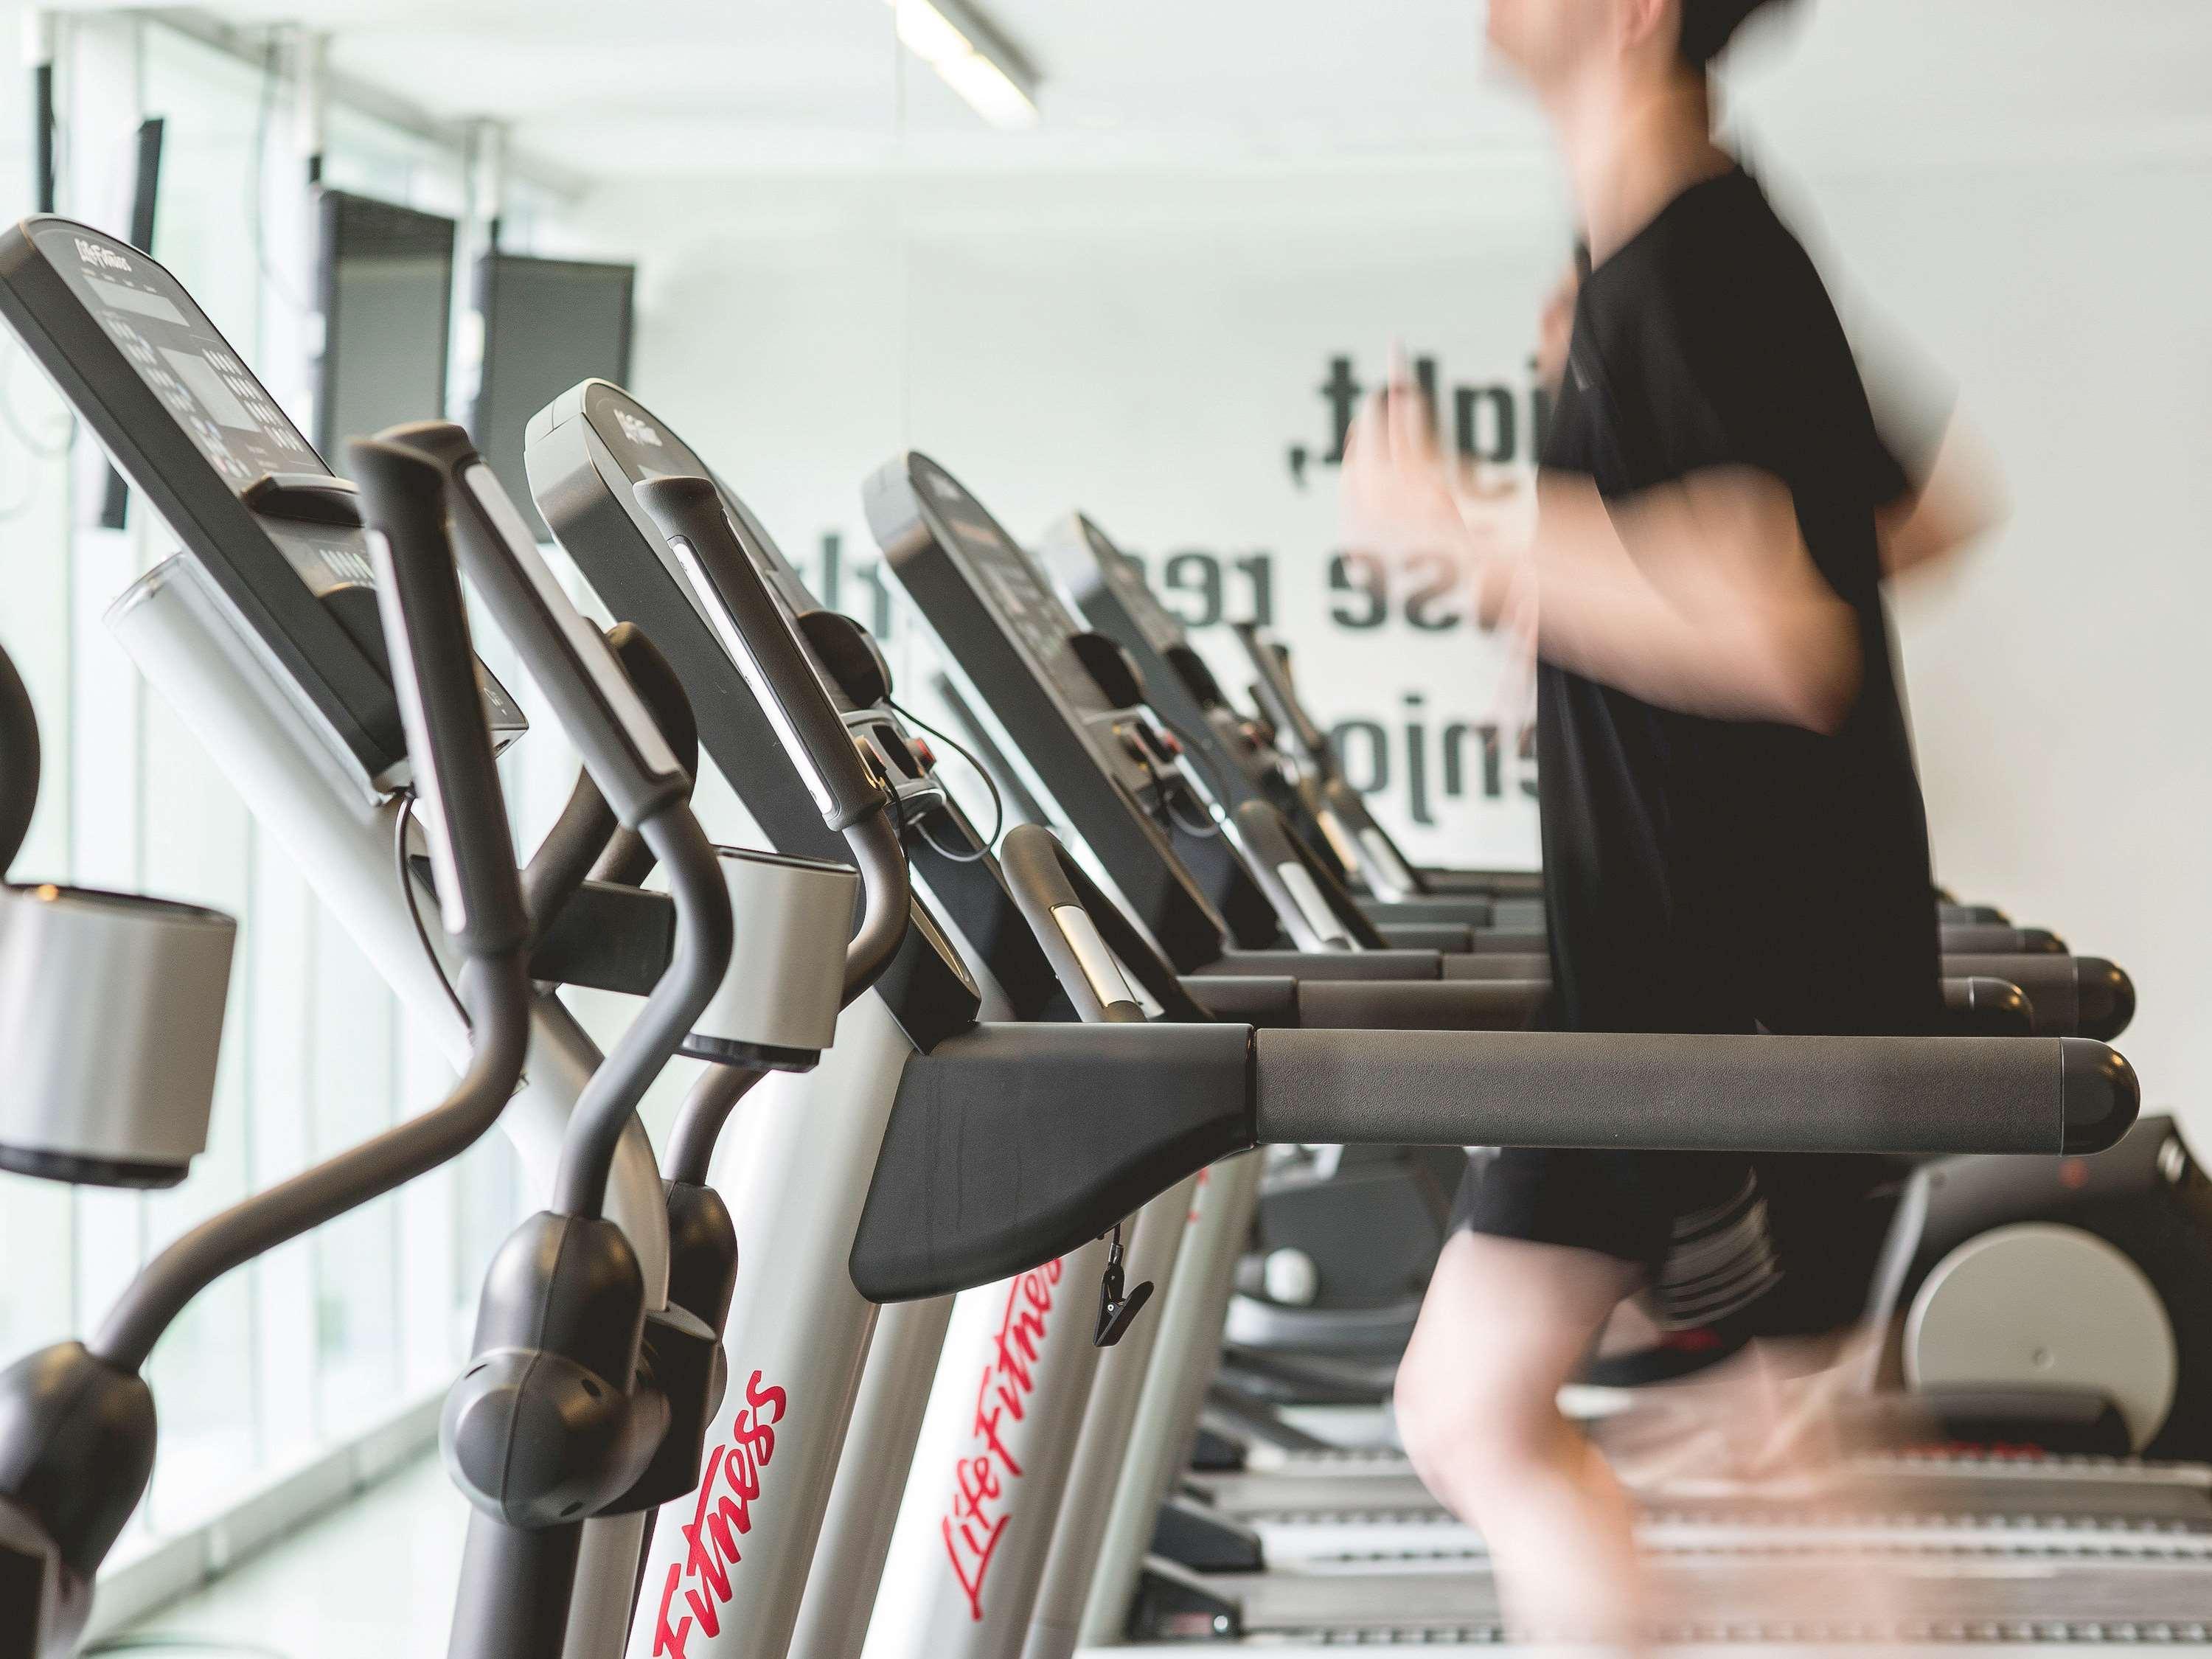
2072, 996
1086, 937
1980, 1006
1083, 960
623, 746
1011, 1144
1907, 1096
1276, 850
432, 670
1502, 1004
690, 515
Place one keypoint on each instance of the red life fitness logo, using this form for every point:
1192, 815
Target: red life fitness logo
982, 1484
722, 1516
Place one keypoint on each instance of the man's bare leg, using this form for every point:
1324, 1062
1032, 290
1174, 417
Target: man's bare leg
1504, 1324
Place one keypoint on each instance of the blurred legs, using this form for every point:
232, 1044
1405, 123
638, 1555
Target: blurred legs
1506, 1323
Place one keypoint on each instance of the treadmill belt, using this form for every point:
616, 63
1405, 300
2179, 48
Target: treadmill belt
1838, 1596
1323, 1546
2018, 1490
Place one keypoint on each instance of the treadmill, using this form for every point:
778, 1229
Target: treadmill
993, 565
2087, 995
1149, 1105
1250, 755
1074, 712
583, 436
1314, 1356
1079, 715
1132, 1119
1363, 845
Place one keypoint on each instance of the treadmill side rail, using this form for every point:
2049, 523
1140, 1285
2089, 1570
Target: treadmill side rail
1014, 1144
1754, 1093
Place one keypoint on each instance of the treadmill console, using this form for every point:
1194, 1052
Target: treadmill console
1119, 574
1279, 700
584, 453
1110, 587
1111, 770
204, 442
1355, 840
596, 434
1020, 596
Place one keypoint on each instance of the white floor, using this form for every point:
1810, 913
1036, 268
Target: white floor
371, 1580
374, 1580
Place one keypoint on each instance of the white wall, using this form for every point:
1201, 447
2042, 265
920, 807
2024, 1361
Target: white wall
2061, 684
1148, 346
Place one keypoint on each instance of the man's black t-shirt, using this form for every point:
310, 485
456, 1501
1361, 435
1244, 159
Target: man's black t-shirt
1711, 875
1714, 876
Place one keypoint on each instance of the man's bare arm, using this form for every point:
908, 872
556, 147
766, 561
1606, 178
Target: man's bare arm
1699, 596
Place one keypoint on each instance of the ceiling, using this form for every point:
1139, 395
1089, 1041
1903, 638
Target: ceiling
717, 87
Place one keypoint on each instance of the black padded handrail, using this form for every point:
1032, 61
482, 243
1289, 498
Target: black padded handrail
1010, 1145
1763, 1094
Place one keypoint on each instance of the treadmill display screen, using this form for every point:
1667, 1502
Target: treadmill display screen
1160, 626
1005, 627
244, 493
182, 358
1017, 592
120, 298
582, 452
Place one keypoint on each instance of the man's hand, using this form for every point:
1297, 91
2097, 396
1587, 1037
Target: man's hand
1403, 495
1961, 501
1398, 493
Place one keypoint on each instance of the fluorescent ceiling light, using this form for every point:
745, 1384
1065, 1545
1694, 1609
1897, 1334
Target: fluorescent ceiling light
973, 58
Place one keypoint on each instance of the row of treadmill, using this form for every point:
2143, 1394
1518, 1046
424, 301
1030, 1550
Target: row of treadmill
1025, 1267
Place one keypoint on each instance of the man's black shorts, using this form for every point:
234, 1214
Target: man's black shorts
1787, 1241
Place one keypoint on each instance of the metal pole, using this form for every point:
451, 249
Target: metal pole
728, 1563
856, 1535
1183, 1362
990, 1466
38, 58
1102, 1450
